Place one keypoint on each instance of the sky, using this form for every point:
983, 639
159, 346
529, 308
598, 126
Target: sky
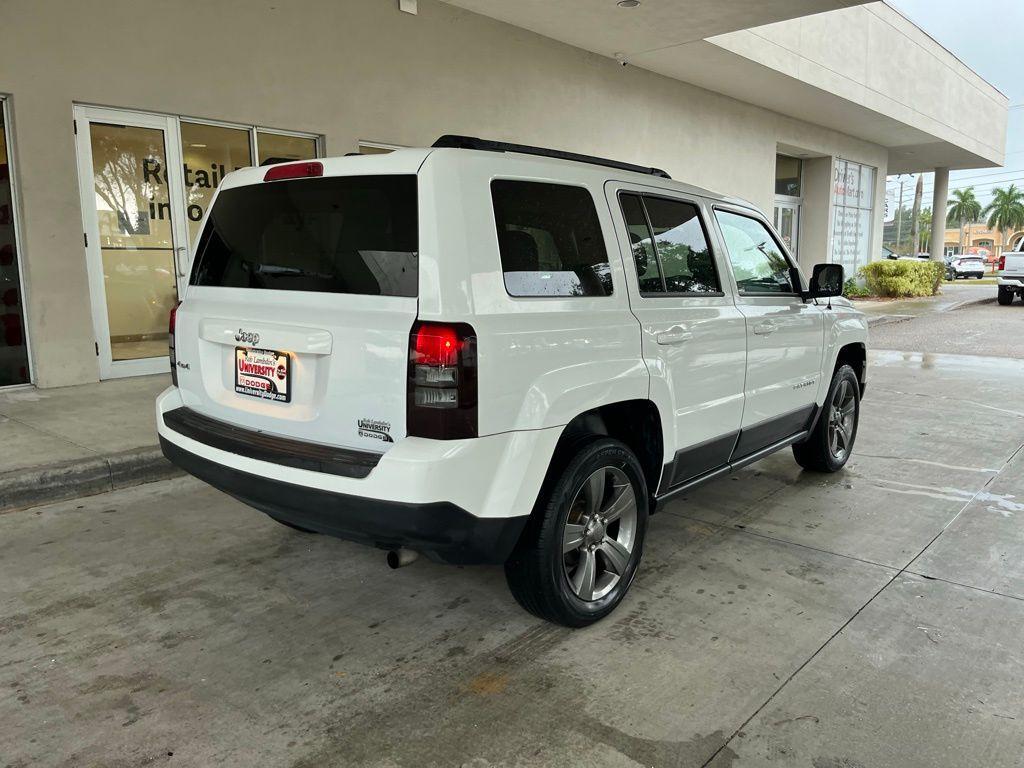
985, 35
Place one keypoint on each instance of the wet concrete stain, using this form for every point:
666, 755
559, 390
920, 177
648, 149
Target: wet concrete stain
835, 762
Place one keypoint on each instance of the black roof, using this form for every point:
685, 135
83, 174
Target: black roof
453, 141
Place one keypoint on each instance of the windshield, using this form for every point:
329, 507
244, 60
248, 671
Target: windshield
345, 234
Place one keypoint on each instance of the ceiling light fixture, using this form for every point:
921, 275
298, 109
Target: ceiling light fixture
628, 3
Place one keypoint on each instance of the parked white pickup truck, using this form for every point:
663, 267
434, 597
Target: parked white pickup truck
1010, 275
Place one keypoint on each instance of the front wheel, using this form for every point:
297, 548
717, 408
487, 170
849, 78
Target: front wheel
828, 447
580, 551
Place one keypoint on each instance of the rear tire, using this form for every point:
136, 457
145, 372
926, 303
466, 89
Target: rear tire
581, 548
1004, 296
830, 443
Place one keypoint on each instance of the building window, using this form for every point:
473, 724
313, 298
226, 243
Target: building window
788, 171
280, 147
208, 153
377, 148
854, 190
13, 342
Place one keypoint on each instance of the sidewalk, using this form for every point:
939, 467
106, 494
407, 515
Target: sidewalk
77, 441
882, 312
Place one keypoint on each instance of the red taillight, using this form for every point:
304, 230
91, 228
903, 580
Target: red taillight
294, 171
437, 345
171, 322
1001, 265
442, 385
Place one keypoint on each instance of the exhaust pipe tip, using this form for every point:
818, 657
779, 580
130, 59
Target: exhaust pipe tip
399, 558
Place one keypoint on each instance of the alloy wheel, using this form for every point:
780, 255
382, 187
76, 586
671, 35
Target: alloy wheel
841, 420
600, 534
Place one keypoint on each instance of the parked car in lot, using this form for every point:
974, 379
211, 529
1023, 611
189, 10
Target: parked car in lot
964, 267
1010, 276
490, 353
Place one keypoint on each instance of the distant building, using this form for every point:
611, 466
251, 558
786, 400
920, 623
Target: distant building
978, 238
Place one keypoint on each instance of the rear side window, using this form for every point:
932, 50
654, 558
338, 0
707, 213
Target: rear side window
670, 246
345, 234
550, 240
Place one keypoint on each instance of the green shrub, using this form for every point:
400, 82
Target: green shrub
889, 277
853, 291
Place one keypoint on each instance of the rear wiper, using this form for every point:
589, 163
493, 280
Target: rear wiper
278, 270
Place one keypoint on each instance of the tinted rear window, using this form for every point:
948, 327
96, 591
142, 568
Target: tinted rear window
550, 240
349, 234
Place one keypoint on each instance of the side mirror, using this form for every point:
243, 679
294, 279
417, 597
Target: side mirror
826, 281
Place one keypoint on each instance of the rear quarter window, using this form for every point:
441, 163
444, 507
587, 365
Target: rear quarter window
342, 234
550, 240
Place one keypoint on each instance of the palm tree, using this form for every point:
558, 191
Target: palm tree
964, 207
925, 220
1006, 211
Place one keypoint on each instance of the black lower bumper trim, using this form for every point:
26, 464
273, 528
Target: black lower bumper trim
441, 530
346, 462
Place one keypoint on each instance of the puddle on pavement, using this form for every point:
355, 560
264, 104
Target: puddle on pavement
983, 366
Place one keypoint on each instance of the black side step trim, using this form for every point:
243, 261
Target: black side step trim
346, 462
732, 467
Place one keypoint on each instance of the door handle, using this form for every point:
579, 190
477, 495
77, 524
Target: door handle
764, 328
179, 262
674, 335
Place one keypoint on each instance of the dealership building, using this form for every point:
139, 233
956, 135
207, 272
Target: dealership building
120, 118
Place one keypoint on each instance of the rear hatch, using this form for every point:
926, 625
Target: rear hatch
302, 294
1013, 264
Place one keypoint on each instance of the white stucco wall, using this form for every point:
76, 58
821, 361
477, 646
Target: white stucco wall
351, 70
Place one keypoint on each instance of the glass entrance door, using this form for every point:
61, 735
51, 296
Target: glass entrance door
136, 233
13, 335
787, 223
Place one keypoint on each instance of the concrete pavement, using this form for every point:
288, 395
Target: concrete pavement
869, 618
975, 328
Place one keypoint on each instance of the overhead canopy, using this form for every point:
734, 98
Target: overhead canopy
863, 70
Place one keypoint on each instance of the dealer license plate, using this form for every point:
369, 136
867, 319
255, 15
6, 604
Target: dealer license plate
263, 373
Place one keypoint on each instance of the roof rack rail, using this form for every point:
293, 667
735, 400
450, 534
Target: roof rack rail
454, 141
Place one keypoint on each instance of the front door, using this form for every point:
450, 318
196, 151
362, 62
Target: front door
787, 223
135, 232
693, 337
785, 335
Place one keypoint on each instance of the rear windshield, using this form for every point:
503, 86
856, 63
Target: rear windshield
347, 234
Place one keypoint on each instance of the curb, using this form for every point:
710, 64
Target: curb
967, 303
888, 319
31, 487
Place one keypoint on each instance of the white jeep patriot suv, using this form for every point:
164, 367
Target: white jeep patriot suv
492, 353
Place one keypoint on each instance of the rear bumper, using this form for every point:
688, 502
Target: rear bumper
1015, 281
441, 530
454, 500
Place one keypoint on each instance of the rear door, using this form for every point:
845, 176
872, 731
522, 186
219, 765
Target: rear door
785, 335
693, 337
297, 316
